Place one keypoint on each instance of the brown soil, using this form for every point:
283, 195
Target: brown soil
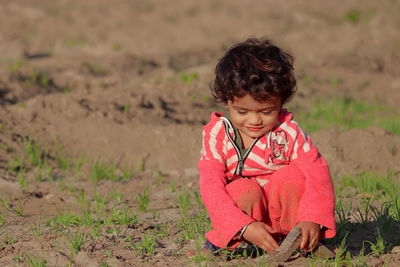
103, 81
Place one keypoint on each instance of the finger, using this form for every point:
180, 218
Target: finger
304, 239
269, 228
305, 242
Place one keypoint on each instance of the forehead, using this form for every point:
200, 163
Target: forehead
248, 102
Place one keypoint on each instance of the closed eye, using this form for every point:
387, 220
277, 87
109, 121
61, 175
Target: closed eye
267, 112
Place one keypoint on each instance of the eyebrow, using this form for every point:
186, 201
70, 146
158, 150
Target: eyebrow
268, 108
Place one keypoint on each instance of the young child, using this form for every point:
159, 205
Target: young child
260, 175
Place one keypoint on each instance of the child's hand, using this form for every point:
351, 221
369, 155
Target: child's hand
310, 235
258, 233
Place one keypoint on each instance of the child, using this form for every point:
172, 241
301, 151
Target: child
260, 175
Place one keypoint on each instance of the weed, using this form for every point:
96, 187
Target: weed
383, 218
2, 220
9, 240
95, 70
374, 184
116, 47
335, 81
393, 150
347, 113
184, 203
32, 150
307, 79
101, 171
171, 187
140, 166
378, 247
75, 241
36, 229
19, 258
159, 176
188, 78
353, 16
16, 66
22, 182
143, 200
146, 245
19, 209
363, 217
34, 261
342, 213
16, 164
63, 220
124, 217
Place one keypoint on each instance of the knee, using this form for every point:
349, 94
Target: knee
289, 180
245, 192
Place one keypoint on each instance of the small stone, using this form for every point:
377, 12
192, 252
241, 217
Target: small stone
396, 249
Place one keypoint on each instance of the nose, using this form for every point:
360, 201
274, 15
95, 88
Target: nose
255, 119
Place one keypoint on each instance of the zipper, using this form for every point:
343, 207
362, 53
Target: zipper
241, 159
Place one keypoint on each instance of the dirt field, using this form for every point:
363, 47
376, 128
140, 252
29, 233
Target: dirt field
101, 108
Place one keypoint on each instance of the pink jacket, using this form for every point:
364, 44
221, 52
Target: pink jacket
286, 144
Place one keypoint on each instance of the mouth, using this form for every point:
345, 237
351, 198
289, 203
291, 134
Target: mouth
254, 129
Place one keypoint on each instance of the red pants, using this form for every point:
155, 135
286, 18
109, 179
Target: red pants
276, 203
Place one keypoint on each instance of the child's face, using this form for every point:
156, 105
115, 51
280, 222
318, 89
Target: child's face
253, 118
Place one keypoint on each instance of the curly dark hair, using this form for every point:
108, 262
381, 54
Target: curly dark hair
255, 67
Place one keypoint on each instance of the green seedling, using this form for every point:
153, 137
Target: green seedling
9, 240
143, 200
33, 261
2, 220
188, 78
19, 258
140, 166
116, 47
19, 209
22, 182
36, 229
353, 16
101, 171
383, 218
16, 164
64, 220
75, 241
378, 247
363, 216
95, 70
347, 113
146, 245
184, 203
159, 176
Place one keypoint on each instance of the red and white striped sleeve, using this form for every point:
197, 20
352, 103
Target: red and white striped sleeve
226, 218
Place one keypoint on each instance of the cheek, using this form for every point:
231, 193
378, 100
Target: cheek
237, 120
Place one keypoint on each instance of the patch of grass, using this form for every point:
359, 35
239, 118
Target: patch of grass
146, 245
101, 170
376, 185
35, 261
378, 247
143, 200
2, 220
347, 113
95, 69
63, 220
356, 16
196, 224
188, 78
75, 241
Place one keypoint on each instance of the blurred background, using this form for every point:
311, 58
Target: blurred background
106, 91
